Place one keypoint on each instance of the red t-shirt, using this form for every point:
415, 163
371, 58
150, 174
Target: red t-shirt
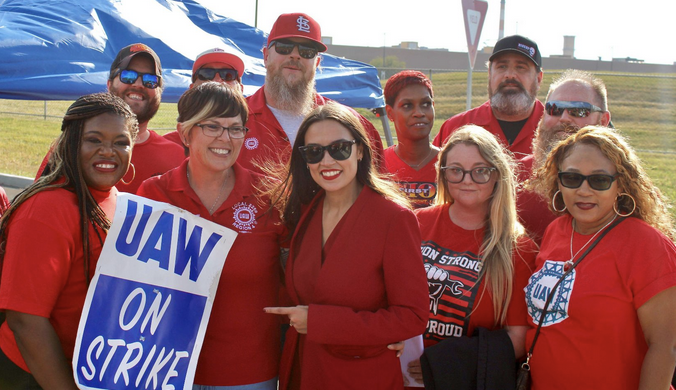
242, 343
419, 186
483, 116
43, 270
532, 209
457, 304
4, 201
591, 337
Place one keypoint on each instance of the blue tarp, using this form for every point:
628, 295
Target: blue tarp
60, 50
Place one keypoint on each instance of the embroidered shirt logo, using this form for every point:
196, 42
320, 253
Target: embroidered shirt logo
303, 24
251, 143
245, 216
540, 286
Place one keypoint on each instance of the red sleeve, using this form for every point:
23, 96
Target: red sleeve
376, 143
406, 291
445, 131
35, 273
524, 266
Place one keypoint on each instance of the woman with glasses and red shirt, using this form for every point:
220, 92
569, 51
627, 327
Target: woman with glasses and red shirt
354, 270
242, 344
610, 323
476, 253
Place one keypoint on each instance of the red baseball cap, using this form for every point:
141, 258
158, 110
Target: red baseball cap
220, 55
297, 25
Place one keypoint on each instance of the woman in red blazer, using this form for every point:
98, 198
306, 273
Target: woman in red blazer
355, 270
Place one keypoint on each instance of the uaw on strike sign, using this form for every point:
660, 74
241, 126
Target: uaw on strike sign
148, 305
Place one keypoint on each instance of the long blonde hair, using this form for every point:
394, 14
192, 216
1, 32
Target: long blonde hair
503, 230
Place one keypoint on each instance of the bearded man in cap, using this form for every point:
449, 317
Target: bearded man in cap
136, 77
277, 109
512, 110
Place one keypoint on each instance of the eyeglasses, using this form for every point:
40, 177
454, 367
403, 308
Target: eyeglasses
480, 175
575, 109
338, 150
212, 130
286, 47
226, 75
148, 80
597, 182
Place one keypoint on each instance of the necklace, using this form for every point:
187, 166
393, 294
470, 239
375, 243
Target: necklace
568, 264
415, 166
220, 193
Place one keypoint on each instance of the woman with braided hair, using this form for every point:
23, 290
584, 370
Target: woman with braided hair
51, 238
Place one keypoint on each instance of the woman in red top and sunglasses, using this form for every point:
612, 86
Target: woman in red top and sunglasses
354, 269
610, 323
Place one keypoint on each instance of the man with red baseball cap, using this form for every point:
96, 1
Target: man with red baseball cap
277, 109
220, 65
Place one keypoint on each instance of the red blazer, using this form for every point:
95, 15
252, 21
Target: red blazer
371, 291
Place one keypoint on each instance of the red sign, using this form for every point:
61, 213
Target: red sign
474, 13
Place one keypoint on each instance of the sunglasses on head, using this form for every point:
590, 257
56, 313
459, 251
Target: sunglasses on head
338, 150
575, 109
598, 182
286, 47
226, 75
148, 80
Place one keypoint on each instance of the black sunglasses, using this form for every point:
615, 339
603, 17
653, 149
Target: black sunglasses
286, 47
479, 175
148, 80
226, 75
575, 109
338, 150
598, 182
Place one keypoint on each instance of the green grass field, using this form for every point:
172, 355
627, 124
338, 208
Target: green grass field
643, 108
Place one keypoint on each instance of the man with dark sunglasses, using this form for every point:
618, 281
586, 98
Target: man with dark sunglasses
512, 110
575, 99
219, 65
136, 77
277, 109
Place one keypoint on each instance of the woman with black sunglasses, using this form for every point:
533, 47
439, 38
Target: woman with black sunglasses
610, 323
477, 257
242, 345
354, 270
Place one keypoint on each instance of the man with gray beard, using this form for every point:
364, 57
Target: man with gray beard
512, 110
277, 109
575, 99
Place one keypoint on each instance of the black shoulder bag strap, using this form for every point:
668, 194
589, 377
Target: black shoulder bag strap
525, 365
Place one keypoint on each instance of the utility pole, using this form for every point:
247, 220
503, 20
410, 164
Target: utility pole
256, 17
501, 34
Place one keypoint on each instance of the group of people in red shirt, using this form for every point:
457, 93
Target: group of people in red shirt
356, 248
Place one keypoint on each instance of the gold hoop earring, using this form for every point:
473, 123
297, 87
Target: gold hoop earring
133, 176
554, 202
616, 204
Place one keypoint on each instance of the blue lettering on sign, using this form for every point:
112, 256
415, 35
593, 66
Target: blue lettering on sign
157, 246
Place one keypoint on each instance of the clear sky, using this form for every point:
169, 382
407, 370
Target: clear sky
602, 28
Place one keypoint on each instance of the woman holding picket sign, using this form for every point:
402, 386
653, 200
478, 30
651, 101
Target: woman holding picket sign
242, 344
51, 238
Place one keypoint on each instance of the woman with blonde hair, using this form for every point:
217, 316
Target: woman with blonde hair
477, 256
615, 308
354, 270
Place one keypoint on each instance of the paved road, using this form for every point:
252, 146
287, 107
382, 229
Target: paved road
14, 184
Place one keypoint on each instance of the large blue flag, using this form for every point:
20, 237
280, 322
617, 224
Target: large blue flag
60, 50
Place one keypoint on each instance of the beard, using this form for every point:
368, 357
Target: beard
512, 102
145, 110
546, 138
296, 96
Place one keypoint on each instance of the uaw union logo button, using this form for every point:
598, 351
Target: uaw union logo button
540, 286
251, 143
244, 216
